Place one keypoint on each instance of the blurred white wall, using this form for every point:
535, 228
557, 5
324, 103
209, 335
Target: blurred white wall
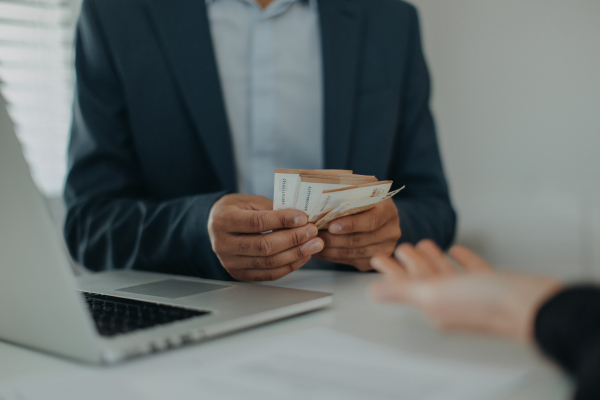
516, 96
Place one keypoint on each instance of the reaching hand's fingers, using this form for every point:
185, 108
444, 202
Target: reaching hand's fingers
401, 290
349, 253
280, 259
267, 244
390, 230
362, 264
421, 294
367, 221
388, 266
416, 265
389, 291
470, 261
269, 274
436, 257
249, 221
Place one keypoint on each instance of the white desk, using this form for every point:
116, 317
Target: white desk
353, 313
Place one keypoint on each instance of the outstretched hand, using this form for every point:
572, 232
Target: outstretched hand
472, 297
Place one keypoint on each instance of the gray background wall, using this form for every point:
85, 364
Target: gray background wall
516, 96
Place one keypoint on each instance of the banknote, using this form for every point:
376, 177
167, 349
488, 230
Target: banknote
325, 195
312, 186
353, 207
331, 199
287, 181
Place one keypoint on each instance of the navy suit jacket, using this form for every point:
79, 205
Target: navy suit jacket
151, 151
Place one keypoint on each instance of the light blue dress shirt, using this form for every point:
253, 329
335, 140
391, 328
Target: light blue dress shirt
269, 61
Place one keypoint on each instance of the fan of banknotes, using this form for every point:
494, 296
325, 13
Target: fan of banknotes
328, 194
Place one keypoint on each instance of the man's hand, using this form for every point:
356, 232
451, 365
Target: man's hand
235, 224
354, 239
476, 299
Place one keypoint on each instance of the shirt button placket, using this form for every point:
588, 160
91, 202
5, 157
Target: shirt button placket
262, 105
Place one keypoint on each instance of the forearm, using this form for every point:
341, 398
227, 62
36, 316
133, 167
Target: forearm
567, 329
124, 233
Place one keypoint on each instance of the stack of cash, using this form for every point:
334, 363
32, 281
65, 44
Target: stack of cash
328, 194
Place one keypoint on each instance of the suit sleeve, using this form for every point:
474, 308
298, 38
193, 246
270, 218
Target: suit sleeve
567, 329
112, 220
424, 206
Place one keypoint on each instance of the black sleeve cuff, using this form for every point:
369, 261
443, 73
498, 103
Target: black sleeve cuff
567, 329
588, 375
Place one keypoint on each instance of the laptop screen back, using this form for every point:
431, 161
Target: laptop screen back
39, 306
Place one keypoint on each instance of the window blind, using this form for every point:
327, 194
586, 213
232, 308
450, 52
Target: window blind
37, 78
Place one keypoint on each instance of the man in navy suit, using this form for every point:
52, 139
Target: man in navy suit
183, 109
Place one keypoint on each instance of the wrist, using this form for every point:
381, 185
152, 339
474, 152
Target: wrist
543, 290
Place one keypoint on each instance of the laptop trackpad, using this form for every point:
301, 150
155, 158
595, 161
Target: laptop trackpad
172, 288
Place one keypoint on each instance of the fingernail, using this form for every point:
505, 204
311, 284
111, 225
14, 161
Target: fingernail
399, 253
301, 220
375, 263
315, 247
335, 228
312, 232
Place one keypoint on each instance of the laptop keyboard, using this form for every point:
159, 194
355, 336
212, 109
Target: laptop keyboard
115, 315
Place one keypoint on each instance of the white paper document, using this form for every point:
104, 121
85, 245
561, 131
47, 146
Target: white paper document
318, 364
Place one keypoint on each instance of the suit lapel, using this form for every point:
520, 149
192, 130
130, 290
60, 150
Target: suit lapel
183, 30
340, 38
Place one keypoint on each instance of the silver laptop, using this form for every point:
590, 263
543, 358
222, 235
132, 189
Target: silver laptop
114, 315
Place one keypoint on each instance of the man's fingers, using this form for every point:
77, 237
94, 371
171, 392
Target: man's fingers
416, 265
259, 203
270, 274
388, 266
267, 244
280, 259
234, 220
384, 248
470, 261
436, 257
359, 239
367, 221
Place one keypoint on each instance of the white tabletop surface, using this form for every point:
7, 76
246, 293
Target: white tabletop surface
395, 326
